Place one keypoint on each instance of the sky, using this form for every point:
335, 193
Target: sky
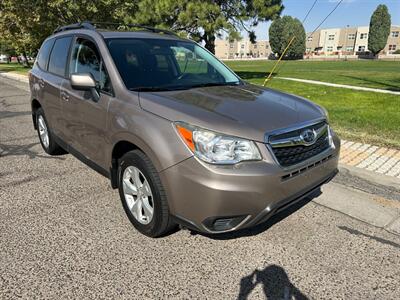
350, 12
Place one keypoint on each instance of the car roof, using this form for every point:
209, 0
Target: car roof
106, 34
138, 34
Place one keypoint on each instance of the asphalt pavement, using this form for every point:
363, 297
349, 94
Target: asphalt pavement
64, 234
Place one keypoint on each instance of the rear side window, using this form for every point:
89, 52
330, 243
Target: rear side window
85, 58
44, 52
59, 56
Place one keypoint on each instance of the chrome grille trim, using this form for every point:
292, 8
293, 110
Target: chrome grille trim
291, 139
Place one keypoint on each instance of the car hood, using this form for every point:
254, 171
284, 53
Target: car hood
246, 111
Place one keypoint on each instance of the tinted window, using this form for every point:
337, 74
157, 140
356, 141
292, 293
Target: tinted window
86, 58
146, 64
59, 56
44, 52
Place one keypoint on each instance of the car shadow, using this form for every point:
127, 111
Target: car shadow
260, 228
275, 284
389, 87
22, 150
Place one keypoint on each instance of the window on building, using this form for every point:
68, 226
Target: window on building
266, 47
329, 49
361, 48
363, 36
392, 47
331, 37
309, 39
255, 46
308, 49
231, 46
242, 46
395, 33
349, 49
351, 36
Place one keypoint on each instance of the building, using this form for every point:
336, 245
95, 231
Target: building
225, 49
348, 41
393, 42
361, 44
324, 42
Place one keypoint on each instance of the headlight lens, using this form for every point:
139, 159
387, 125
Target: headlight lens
217, 148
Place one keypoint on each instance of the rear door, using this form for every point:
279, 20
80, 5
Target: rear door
52, 80
86, 116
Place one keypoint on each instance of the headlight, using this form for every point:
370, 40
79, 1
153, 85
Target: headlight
216, 148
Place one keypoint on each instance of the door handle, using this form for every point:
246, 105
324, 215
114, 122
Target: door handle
64, 96
41, 83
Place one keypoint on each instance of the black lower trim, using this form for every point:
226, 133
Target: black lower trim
282, 205
81, 157
185, 223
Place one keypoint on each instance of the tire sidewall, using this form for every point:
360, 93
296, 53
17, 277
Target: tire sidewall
132, 159
41, 113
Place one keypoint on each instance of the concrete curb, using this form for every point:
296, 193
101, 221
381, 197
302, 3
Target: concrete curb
371, 209
371, 176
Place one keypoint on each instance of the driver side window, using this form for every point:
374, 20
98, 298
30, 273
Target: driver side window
85, 58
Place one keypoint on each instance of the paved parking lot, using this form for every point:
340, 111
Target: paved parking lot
64, 234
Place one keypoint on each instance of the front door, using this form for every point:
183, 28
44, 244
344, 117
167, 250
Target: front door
87, 116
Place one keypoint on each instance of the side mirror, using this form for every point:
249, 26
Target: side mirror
82, 81
85, 82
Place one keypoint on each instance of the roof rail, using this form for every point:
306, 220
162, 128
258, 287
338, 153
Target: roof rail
81, 25
104, 25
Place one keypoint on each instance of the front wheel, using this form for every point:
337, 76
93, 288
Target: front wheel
142, 195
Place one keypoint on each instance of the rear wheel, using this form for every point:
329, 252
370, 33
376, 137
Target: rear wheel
142, 195
45, 135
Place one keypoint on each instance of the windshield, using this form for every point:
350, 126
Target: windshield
155, 64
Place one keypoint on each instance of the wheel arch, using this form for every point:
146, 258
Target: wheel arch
123, 146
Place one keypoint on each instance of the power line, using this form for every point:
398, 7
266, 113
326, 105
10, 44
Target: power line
316, 28
287, 47
323, 21
311, 8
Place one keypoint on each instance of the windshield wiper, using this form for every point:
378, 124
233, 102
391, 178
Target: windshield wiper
149, 89
215, 84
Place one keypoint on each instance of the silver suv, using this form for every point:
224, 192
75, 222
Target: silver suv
181, 136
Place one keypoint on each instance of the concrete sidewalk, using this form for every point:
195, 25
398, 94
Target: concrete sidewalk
344, 86
381, 160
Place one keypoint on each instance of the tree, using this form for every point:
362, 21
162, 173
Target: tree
281, 31
25, 24
204, 20
379, 29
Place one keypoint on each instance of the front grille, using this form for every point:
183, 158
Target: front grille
293, 154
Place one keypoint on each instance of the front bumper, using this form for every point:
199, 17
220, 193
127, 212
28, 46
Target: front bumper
215, 199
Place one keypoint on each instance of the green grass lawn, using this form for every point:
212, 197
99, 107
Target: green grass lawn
14, 67
356, 115
366, 73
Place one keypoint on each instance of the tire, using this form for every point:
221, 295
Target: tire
136, 167
48, 144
